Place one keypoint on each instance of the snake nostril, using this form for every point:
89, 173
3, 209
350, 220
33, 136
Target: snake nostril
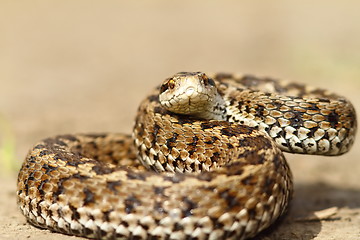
190, 91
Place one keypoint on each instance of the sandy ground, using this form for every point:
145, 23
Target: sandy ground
83, 66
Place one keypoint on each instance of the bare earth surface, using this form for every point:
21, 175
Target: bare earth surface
83, 66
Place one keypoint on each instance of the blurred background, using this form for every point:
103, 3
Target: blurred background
84, 66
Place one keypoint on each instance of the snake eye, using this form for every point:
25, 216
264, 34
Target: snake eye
169, 84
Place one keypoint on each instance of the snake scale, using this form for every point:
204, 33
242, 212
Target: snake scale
204, 161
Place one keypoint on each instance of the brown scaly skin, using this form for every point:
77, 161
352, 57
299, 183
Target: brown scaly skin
301, 119
93, 186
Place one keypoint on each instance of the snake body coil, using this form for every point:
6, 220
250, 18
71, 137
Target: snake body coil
221, 171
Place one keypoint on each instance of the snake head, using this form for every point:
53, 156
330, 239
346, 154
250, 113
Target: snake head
191, 93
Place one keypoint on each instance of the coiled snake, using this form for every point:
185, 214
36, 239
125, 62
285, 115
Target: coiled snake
91, 185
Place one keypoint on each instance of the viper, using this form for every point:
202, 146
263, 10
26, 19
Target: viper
205, 161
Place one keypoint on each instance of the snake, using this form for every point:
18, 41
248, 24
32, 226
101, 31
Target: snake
204, 161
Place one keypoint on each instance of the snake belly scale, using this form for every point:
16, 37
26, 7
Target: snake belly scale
204, 161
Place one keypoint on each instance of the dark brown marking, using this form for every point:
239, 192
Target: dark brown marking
60, 184
190, 205
48, 168
286, 144
112, 185
229, 145
260, 111
75, 215
236, 168
333, 119
297, 120
43, 153
221, 76
212, 124
136, 175
256, 141
88, 231
40, 187
230, 199
215, 157
89, 197
178, 227
159, 190
154, 133
184, 119
312, 132
69, 137
131, 202
299, 87
298, 144
153, 98
160, 110
252, 157
170, 142
228, 132
32, 159
268, 185
249, 80
279, 160
325, 100
250, 180
96, 135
